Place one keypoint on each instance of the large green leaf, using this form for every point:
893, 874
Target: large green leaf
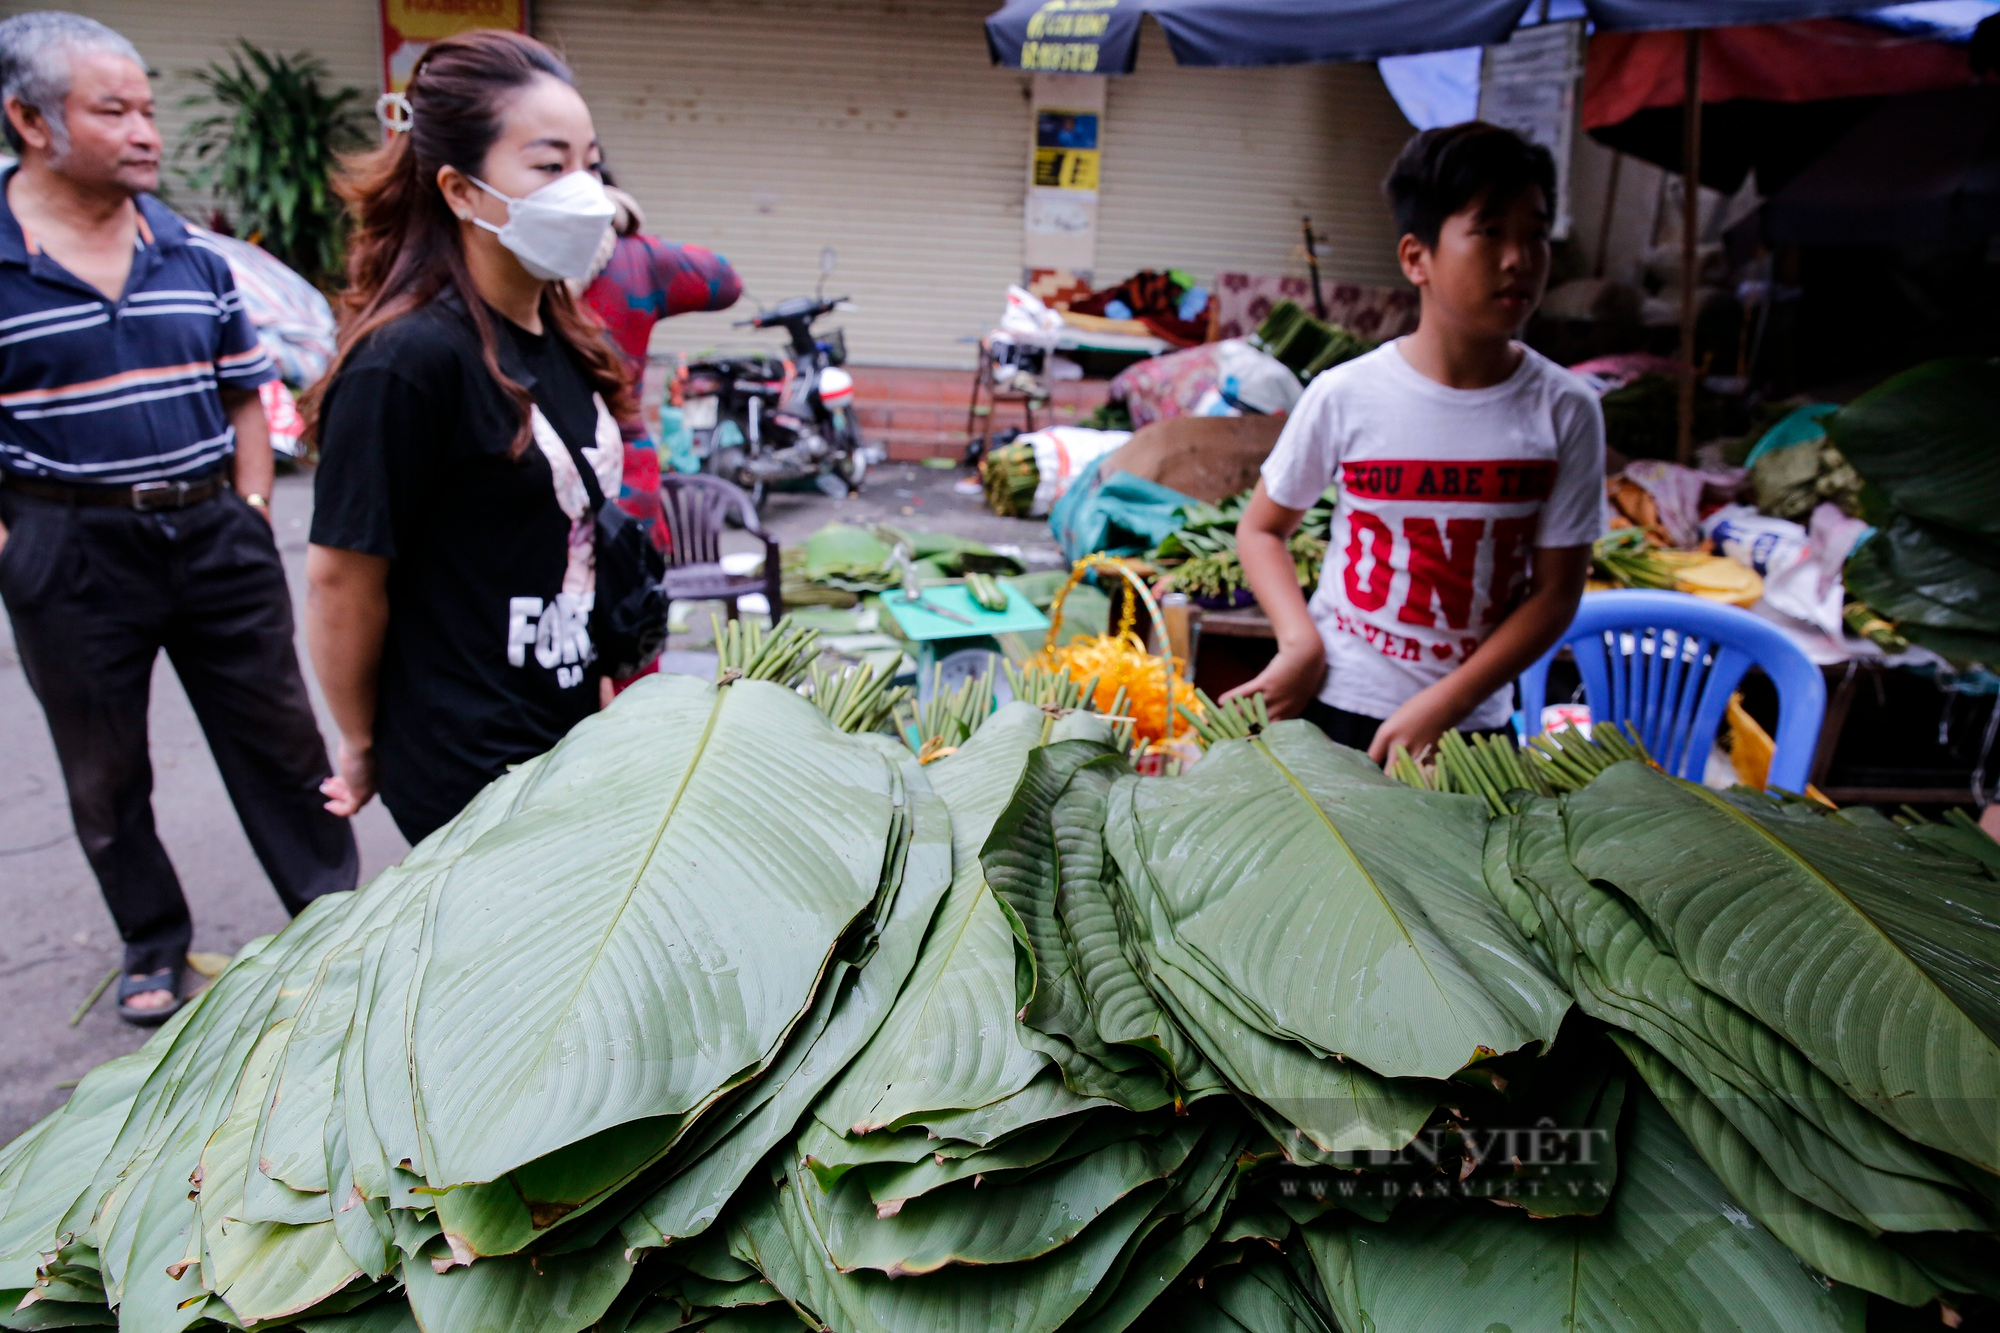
1200, 1195
360, 1224
261, 1270
891, 1184
1328, 1106
390, 1316
922, 1060
1803, 1128
137, 1211
1344, 915
1876, 958
1834, 1246
734, 1143
57, 1164
145, 1224
1046, 859
778, 1232
617, 941
1929, 439
1925, 577
978, 1222
558, 1293
1673, 1253
291, 1131
568, 1185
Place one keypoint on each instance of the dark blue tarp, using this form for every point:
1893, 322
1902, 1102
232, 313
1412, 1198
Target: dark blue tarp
1102, 36
1917, 170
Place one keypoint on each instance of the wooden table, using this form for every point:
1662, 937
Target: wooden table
1234, 646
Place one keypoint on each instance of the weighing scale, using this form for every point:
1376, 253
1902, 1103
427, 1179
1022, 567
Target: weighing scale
952, 630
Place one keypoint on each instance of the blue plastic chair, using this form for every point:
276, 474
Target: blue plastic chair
1666, 662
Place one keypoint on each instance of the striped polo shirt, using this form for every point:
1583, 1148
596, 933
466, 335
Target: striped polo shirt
95, 392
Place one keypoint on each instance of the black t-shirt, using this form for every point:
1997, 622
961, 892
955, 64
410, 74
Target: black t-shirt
487, 660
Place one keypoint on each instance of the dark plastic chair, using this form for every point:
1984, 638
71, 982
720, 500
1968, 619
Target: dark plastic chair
694, 506
1666, 662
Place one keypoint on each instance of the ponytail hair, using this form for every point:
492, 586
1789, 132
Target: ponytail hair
405, 251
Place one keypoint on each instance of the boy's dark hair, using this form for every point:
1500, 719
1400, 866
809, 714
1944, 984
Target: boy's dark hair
1441, 171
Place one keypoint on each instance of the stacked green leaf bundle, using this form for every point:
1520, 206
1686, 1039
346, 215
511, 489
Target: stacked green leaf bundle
1927, 443
1813, 998
1306, 345
1793, 481
719, 1016
842, 563
1201, 554
950, 1178
567, 1025
1011, 475
1383, 1027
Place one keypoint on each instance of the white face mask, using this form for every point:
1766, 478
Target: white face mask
555, 231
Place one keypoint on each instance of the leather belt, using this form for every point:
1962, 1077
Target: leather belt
145, 496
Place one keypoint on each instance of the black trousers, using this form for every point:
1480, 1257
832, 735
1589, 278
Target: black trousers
1357, 730
95, 594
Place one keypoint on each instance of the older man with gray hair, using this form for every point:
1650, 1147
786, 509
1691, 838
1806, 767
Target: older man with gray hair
135, 482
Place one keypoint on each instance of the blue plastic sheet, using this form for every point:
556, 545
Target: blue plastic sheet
1119, 515
1796, 427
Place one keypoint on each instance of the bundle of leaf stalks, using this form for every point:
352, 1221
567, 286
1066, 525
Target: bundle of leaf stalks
1304, 344
1862, 621
1957, 833
730, 1014
1628, 559
1493, 767
1011, 475
942, 724
1201, 557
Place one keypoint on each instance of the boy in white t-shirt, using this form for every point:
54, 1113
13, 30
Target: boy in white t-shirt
1470, 468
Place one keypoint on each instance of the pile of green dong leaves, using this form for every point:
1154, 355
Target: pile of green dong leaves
729, 1014
1924, 442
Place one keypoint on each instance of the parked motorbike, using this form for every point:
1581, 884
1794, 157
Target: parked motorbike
765, 421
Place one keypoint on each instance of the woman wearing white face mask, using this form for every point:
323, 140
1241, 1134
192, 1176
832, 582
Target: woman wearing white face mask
467, 432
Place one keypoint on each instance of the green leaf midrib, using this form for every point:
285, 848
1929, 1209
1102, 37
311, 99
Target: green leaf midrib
631, 890
1818, 877
1355, 859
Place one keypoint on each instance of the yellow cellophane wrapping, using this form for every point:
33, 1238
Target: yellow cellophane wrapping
1120, 661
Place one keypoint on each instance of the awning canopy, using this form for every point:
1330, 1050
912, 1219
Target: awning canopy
1774, 96
1102, 36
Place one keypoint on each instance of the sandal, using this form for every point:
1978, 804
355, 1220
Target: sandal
167, 979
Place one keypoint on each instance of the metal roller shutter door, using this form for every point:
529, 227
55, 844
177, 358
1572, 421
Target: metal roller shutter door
770, 128
177, 38
1210, 169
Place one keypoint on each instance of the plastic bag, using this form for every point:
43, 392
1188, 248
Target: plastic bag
1061, 454
1255, 380
1119, 514
1679, 493
1027, 320
1768, 545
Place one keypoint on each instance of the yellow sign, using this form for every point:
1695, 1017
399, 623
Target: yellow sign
409, 26
1067, 168
1060, 57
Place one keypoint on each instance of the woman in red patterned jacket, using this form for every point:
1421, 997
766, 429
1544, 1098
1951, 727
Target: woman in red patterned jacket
645, 281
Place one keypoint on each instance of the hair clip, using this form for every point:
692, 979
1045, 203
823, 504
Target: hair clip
395, 112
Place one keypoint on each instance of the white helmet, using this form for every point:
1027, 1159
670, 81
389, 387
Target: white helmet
836, 388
